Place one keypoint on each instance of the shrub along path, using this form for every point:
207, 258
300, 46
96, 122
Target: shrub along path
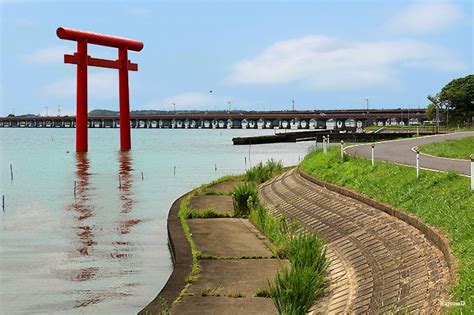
235, 262
378, 262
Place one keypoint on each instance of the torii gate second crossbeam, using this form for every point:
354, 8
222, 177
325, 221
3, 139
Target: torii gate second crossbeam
82, 60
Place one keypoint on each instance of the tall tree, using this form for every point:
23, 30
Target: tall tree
459, 96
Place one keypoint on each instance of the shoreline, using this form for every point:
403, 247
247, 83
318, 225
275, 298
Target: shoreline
181, 253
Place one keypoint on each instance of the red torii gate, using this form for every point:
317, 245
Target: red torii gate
82, 60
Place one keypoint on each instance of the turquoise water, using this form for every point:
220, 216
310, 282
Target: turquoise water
103, 250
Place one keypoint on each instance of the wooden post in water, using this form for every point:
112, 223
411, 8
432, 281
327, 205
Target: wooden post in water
120, 182
250, 164
142, 175
11, 172
215, 167
74, 189
3, 203
174, 170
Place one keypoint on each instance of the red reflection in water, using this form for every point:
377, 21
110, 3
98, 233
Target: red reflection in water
123, 249
86, 274
126, 180
119, 249
82, 207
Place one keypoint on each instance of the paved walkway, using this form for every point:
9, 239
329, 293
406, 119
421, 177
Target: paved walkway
235, 262
399, 151
378, 263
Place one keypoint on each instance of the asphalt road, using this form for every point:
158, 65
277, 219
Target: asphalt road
400, 151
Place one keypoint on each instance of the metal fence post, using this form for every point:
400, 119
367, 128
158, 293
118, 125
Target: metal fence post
373, 159
417, 163
342, 150
472, 171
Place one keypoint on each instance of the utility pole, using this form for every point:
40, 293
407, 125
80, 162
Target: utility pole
408, 124
447, 115
59, 110
293, 106
367, 102
228, 103
174, 107
47, 111
437, 118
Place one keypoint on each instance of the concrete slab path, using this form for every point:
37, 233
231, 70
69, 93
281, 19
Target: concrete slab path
227, 237
236, 276
400, 151
225, 187
221, 203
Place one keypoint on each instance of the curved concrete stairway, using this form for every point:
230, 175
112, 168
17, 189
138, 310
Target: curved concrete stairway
378, 262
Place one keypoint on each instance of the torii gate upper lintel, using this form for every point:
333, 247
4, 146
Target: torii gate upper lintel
82, 60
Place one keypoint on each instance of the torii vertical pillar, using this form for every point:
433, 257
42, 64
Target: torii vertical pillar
82, 60
81, 98
125, 141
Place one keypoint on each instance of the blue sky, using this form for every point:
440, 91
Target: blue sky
257, 55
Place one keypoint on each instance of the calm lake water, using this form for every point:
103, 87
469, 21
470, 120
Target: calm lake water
103, 251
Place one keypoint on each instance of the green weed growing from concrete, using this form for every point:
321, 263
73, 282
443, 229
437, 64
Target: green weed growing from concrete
244, 197
293, 291
263, 172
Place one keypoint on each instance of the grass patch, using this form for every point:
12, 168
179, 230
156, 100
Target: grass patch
214, 257
277, 229
244, 197
218, 292
443, 200
262, 293
456, 149
207, 214
294, 290
183, 213
212, 192
262, 172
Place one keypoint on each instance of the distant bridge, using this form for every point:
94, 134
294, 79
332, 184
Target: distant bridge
330, 119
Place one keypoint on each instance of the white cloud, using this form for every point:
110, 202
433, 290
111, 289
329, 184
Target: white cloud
423, 17
329, 63
102, 85
189, 100
47, 55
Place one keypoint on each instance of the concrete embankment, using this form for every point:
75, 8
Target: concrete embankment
234, 259
318, 135
383, 260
